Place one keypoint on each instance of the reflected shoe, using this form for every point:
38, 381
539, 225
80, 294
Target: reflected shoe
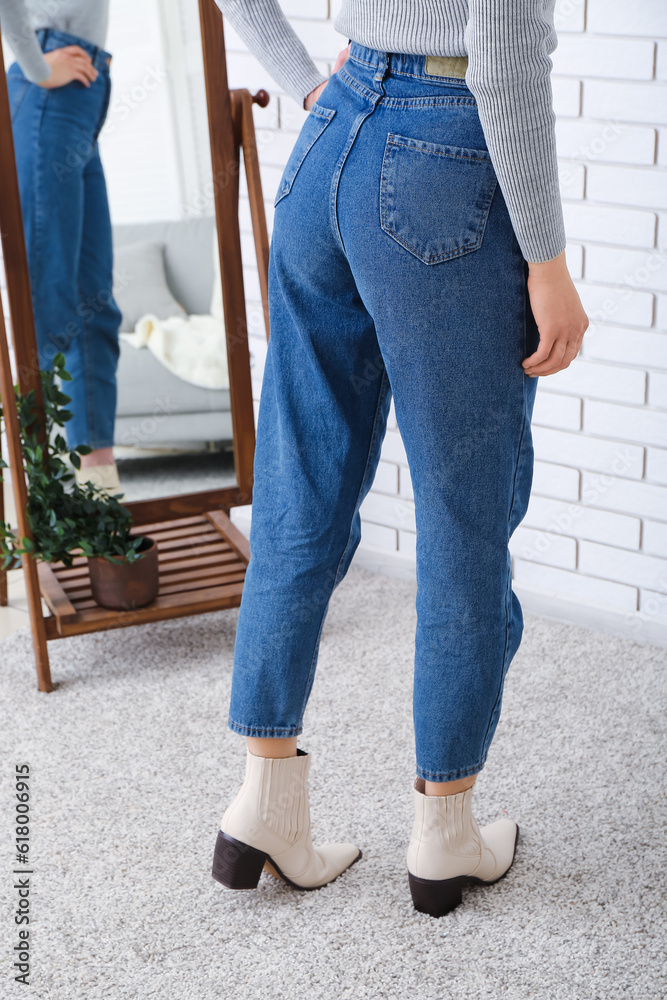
268, 826
448, 850
104, 477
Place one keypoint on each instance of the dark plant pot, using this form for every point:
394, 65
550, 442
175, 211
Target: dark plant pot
125, 586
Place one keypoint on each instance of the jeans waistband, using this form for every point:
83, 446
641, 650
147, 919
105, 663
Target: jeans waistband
424, 67
52, 38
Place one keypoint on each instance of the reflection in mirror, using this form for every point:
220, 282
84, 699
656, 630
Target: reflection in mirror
173, 429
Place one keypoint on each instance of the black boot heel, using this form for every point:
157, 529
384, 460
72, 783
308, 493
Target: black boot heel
236, 865
436, 898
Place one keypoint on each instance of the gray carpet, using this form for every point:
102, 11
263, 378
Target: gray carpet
133, 765
146, 477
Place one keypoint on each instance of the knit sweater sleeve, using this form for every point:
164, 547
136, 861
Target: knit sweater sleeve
509, 74
20, 34
269, 36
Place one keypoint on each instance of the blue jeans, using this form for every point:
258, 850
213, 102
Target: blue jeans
68, 235
394, 269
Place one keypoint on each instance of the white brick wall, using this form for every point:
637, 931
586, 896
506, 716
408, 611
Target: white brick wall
596, 528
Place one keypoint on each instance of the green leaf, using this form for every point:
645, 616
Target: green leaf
75, 460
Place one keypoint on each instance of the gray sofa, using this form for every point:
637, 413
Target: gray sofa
155, 407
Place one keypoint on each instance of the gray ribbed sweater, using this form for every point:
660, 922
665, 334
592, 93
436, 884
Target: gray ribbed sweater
507, 43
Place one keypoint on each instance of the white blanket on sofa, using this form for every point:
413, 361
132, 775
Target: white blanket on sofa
193, 347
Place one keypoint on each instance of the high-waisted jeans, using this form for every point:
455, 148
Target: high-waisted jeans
68, 235
394, 269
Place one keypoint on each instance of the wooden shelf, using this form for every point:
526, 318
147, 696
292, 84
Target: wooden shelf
202, 564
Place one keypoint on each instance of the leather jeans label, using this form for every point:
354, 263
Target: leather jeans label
446, 66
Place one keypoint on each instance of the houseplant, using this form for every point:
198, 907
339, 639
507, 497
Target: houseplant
69, 519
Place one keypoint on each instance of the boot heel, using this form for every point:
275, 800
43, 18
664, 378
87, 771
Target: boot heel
236, 865
436, 898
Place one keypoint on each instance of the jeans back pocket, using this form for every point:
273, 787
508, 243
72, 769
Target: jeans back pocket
312, 129
435, 199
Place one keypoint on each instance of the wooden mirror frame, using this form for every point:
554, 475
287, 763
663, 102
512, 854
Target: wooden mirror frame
196, 517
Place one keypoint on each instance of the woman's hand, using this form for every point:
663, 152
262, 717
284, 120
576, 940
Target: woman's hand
67, 64
559, 315
314, 94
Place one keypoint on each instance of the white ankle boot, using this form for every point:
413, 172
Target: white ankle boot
448, 849
268, 825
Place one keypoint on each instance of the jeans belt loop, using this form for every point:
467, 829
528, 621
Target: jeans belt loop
382, 67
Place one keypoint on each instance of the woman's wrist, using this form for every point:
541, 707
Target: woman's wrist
548, 268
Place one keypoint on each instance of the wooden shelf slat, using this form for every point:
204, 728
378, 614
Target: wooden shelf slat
166, 534
191, 542
197, 602
231, 533
202, 568
171, 582
79, 568
182, 522
86, 601
56, 599
180, 562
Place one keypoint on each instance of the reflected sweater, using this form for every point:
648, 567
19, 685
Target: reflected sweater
20, 19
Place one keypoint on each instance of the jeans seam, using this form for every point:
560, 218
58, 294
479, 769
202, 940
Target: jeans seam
362, 62
392, 139
350, 81
384, 382
336, 580
508, 589
38, 210
416, 103
404, 102
338, 170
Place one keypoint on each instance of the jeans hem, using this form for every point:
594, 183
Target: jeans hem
264, 732
96, 445
464, 772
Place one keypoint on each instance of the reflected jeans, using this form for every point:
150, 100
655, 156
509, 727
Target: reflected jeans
68, 236
394, 269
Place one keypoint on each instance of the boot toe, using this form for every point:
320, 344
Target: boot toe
501, 838
338, 857
326, 864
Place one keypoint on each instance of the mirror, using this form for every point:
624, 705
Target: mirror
173, 428
173, 419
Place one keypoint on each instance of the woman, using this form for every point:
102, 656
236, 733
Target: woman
59, 95
417, 251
